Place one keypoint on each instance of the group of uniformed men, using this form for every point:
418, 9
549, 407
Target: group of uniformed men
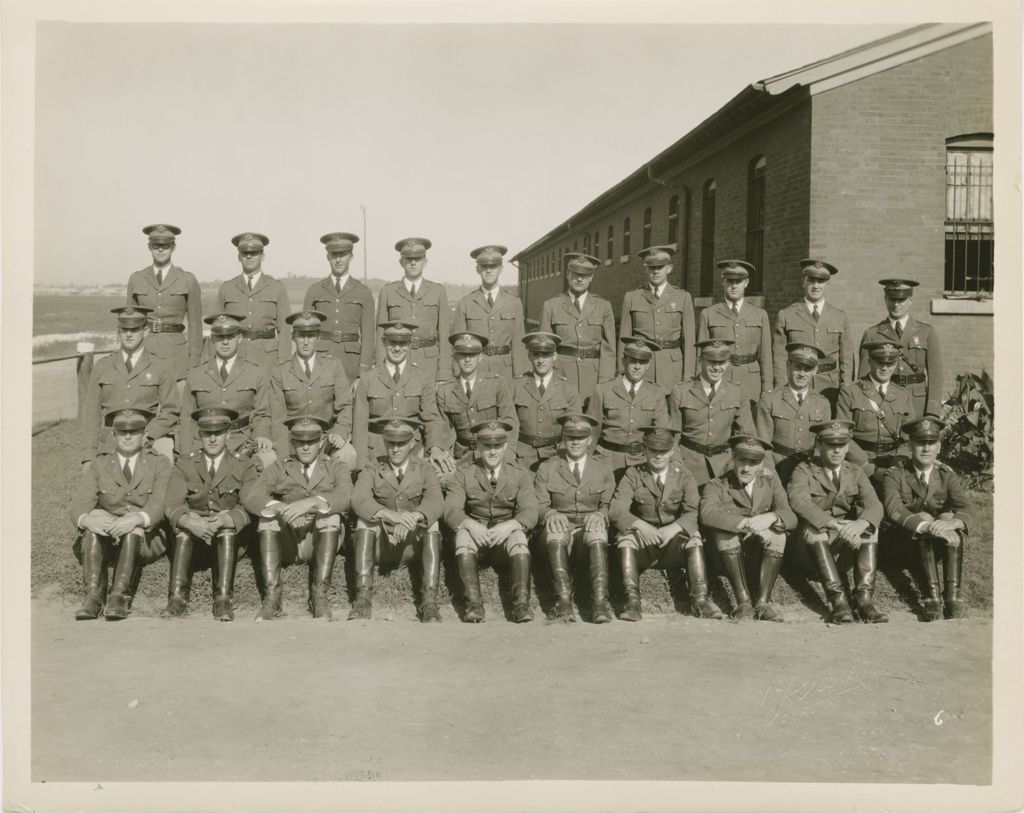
380, 423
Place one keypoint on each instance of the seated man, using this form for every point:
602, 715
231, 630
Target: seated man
654, 510
491, 504
925, 500
309, 491
573, 493
748, 503
118, 510
397, 501
541, 397
838, 511
203, 509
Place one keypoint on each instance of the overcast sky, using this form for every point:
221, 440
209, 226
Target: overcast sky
465, 134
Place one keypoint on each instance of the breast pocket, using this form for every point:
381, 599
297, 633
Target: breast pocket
642, 321
865, 421
834, 336
352, 313
235, 304
720, 328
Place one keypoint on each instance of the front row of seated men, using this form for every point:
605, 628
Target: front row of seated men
130, 506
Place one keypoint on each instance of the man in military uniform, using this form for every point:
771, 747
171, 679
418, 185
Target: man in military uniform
130, 378
348, 332
231, 382
394, 387
926, 502
418, 301
261, 301
839, 514
397, 502
748, 503
747, 325
205, 514
491, 505
664, 314
812, 321
118, 510
495, 314
919, 367
585, 324
312, 383
625, 405
173, 297
299, 501
708, 409
574, 490
474, 395
654, 510
878, 409
541, 397
785, 416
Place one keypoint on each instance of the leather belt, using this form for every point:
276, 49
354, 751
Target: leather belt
338, 336
636, 448
536, 441
747, 359
785, 451
707, 451
667, 344
878, 448
497, 350
826, 366
258, 332
592, 352
912, 378
159, 326
239, 423
416, 344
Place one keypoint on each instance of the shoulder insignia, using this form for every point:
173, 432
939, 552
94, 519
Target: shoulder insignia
768, 474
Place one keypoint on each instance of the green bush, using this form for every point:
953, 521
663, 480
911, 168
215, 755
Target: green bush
968, 441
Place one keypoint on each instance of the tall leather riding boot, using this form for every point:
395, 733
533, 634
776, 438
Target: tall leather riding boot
732, 564
521, 612
697, 580
180, 580
224, 581
867, 569
363, 548
931, 601
601, 610
469, 573
628, 559
94, 574
558, 558
830, 582
325, 550
771, 563
430, 561
952, 572
127, 558
270, 565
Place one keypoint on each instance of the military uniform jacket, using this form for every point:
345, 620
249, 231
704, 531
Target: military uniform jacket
538, 414
816, 500
752, 334
724, 503
246, 391
639, 497
327, 394
708, 424
557, 489
593, 328
470, 496
192, 491
786, 424
378, 396
284, 481
349, 313
830, 334
622, 419
490, 397
877, 419
665, 319
430, 310
908, 503
263, 308
378, 489
150, 385
503, 327
174, 301
920, 358
103, 485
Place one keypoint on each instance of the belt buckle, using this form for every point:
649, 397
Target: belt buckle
155, 324
337, 336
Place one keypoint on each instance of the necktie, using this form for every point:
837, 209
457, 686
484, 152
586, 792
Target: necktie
305, 472
248, 281
922, 479
800, 398
213, 471
899, 330
735, 310
493, 478
816, 314
396, 375
661, 482
576, 302
127, 470
835, 478
337, 284
128, 363
412, 291
576, 471
711, 395
309, 372
632, 390
159, 278
469, 391
399, 475
490, 300
654, 292
540, 386
223, 371
881, 390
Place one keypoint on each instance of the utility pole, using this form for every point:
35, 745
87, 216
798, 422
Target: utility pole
362, 208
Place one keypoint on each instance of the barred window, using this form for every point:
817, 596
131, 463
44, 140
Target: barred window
681, 235
625, 237
673, 220
611, 242
597, 245
645, 238
707, 240
586, 243
970, 231
755, 223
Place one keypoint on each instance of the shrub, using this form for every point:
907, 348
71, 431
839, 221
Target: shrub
968, 440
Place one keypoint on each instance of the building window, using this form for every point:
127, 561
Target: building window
561, 265
586, 243
597, 245
645, 238
611, 242
755, 223
575, 245
970, 232
707, 240
672, 236
625, 239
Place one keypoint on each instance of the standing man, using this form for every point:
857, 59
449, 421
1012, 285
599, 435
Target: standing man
586, 326
173, 296
495, 314
130, 378
541, 397
417, 301
664, 314
812, 321
744, 323
348, 332
261, 301
919, 367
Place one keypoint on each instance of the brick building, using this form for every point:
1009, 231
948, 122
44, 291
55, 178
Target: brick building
878, 159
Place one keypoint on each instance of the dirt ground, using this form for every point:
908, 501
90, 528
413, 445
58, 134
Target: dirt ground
668, 698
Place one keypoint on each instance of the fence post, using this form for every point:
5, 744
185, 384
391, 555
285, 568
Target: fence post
85, 352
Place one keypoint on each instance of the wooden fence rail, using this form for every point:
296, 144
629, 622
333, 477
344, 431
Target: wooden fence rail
59, 384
